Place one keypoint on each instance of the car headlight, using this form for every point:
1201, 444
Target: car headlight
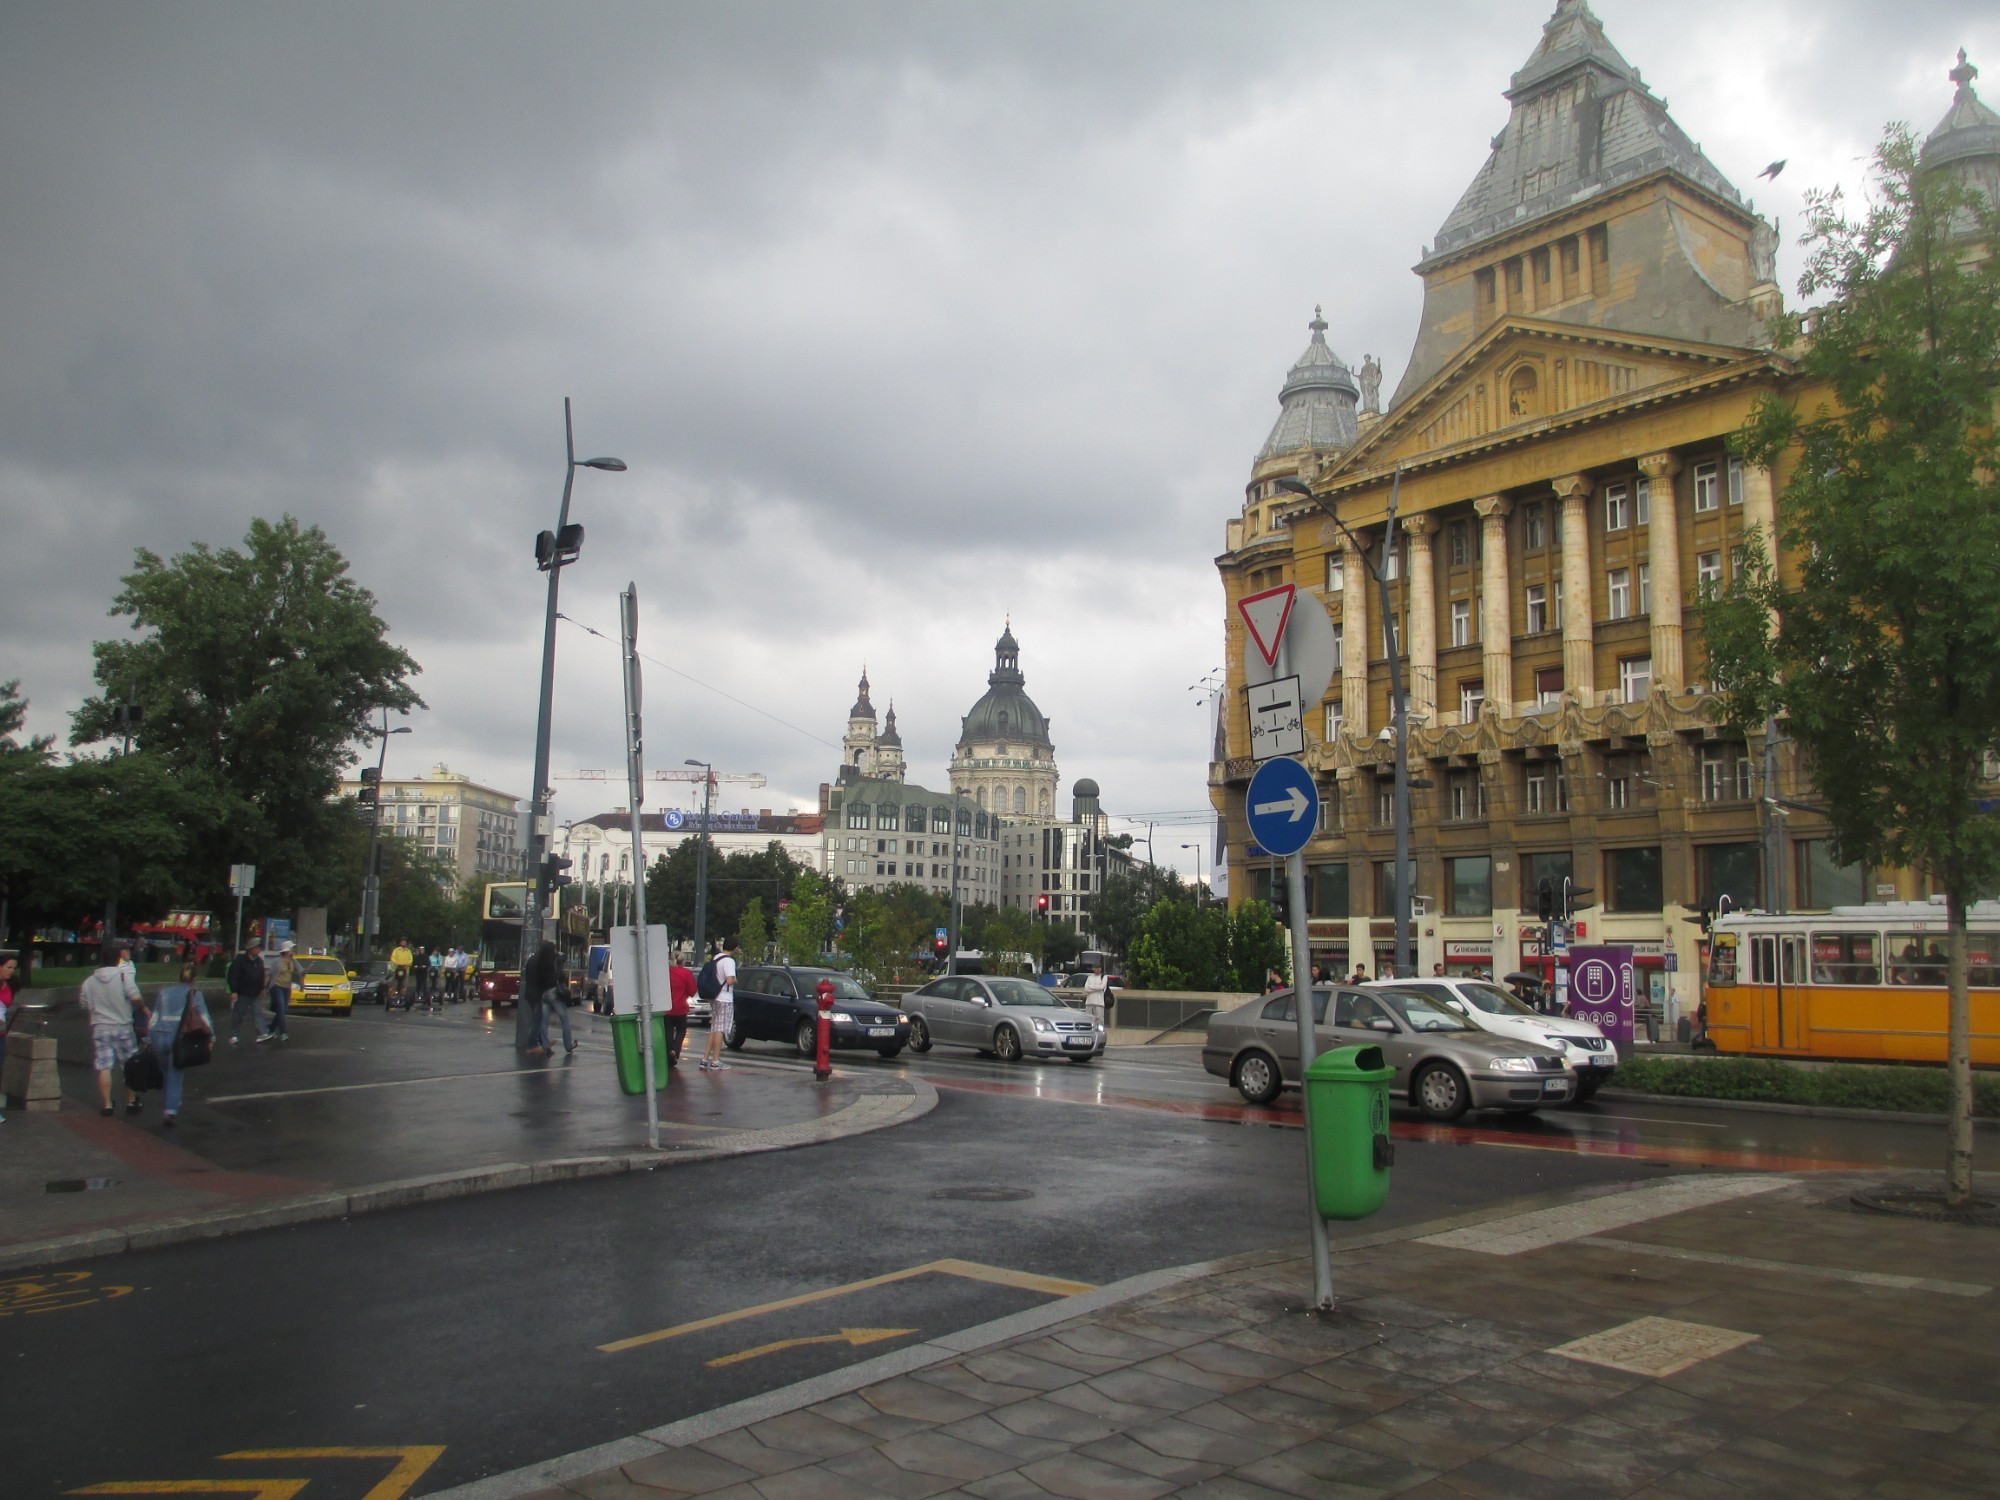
902, 1020
1513, 1065
1041, 1025
840, 1017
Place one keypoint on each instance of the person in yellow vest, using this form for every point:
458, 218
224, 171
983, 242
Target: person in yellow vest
400, 959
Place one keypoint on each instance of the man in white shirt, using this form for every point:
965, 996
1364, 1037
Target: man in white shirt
1093, 995
110, 997
722, 1009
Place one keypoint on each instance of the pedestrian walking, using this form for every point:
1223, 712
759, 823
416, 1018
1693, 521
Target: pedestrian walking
542, 987
1093, 995
246, 980
179, 1009
110, 998
680, 986
284, 975
720, 972
8, 965
1360, 974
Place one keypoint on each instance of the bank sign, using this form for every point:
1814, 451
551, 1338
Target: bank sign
1601, 990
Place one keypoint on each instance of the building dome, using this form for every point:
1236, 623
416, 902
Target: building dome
862, 709
1317, 399
1084, 788
1966, 142
1006, 713
889, 736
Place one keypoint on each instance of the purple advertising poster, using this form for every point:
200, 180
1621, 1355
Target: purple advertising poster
1600, 990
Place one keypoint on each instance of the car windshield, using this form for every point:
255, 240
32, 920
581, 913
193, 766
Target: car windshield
1421, 1013
845, 986
322, 966
1020, 992
1493, 1000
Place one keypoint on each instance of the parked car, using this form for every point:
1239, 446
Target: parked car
323, 985
777, 1003
371, 981
1010, 1018
1444, 1064
1494, 1009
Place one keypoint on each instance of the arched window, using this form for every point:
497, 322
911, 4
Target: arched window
1020, 799
1524, 393
981, 795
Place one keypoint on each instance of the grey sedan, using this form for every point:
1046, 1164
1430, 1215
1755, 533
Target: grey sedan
1010, 1018
1444, 1064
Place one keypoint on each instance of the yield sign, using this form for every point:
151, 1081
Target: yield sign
1266, 614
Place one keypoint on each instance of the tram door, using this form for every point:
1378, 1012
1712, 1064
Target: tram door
1778, 967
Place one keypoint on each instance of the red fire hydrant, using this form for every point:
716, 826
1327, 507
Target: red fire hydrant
822, 1063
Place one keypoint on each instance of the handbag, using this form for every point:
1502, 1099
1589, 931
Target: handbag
193, 1047
143, 1071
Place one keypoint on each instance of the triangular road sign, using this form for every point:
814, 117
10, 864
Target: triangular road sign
1266, 614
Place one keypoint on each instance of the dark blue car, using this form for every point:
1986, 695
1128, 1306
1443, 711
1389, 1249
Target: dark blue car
779, 1003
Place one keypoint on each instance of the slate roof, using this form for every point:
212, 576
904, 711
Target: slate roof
1317, 401
1969, 128
1582, 122
1005, 711
862, 709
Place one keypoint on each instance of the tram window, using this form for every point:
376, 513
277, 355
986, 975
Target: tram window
1763, 960
1722, 962
1983, 970
1845, 958
1918, 958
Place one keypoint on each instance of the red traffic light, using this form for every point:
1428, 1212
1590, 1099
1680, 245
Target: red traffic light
1041, 903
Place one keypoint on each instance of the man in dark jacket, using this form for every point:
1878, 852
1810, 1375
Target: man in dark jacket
246, 982
544, 985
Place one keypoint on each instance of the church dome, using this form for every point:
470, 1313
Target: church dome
1317, 399
1006, 712
889, 736
862, 709
1966, 142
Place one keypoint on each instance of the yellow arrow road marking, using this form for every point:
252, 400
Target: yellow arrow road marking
969, 1270
52, 1292
263, 1489
852, 1336
411, 1462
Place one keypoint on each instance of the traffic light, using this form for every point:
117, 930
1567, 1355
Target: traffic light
1041, 906
1280, 905
370, 791
938, 946
1574, 898
555, 872
1545, 899
552, 547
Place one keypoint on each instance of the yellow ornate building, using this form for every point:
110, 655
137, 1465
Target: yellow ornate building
1595, 327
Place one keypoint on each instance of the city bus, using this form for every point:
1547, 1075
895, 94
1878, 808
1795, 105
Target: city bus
502, 915
1857, 983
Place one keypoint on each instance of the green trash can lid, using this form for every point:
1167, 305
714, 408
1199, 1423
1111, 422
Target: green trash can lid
1358, 1064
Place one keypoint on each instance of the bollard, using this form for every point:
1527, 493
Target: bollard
822, 1063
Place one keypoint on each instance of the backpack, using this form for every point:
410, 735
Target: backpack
706, 983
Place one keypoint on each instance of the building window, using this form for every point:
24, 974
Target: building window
857, 815
1633, 879
1548, 686
1385, 885
1554, 867
1822, 881
1339, 643
1645, 588
1336, 573
1461, 622
1708, 569
1537, 608
1467, 797
1385, 803
1618, 593
1460, 538
1642, 503
1469, 886
1556, 612
1333, 720
1328, 890
1635, 678
1392, 637
1727, 870
1617, 507
1471, 695
940, 820
1705, 487
1725, 773
1532, 536
1393, 568
1735, 481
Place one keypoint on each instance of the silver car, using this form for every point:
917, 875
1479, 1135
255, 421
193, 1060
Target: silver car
1011, 1018
1444, 1064
1491, 1008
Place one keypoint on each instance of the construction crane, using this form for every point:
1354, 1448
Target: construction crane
746, 778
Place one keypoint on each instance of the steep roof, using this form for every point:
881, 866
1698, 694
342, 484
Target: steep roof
862, 709
1317, 400
1005, 711
1582, 121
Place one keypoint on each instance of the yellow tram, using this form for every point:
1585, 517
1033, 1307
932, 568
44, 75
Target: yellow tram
1864, 983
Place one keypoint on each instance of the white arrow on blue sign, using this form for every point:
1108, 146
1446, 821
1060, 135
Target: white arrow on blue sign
1283, 805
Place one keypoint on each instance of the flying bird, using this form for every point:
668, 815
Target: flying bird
1774, 169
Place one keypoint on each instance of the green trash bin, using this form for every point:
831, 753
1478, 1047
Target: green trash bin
631, 1064
1347, 1111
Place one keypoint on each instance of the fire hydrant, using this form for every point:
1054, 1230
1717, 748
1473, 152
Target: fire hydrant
822, 1063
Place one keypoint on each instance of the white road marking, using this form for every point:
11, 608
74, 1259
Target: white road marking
1575, 1221
1793, 1268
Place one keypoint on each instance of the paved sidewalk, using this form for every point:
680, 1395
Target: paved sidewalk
376, 1112
1753, 1336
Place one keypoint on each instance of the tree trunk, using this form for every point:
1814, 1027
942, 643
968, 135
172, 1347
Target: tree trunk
1958, 1056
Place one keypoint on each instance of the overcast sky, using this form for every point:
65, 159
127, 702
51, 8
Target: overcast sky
906, 317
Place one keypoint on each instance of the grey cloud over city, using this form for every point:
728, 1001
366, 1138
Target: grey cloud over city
908, 318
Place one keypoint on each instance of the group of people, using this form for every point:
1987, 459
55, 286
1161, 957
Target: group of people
429, 977
121, 1023
252, 976
545, 985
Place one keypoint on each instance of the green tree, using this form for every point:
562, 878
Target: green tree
887, 929
419, 901
257, 669
1879, 640
1127, 896
753, 932
1181, 946
807, 925
1257, 945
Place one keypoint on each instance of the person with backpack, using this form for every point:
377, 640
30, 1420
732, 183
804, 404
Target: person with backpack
717, 984
179, 1027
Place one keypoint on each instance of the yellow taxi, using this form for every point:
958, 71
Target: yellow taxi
324, 984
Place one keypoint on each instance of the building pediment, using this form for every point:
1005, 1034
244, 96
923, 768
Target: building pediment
1527, 376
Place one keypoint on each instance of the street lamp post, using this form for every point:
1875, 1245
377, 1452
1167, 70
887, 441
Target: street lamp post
371, 888
701, 862
552, 550
1398, 706
1197, 851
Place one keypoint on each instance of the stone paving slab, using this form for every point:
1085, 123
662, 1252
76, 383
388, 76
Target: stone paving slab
1435, 1376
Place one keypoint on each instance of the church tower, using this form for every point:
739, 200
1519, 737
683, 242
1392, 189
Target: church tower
889, 750
857, 748
1005, 760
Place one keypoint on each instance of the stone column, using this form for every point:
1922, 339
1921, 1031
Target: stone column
1422, 612
1760, 507
1663, 556
1579, 632
1496, 632
1355, 584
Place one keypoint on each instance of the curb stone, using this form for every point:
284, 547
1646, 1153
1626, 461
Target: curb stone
1775, 1107
441, 1187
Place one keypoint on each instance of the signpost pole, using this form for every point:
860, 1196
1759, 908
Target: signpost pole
1302, 988
628, 619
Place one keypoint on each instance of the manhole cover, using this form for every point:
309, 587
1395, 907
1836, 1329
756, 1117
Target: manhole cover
1928, 1203
78, 1184
984, 1194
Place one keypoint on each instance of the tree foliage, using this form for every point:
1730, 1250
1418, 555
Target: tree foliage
806, 926
257, 670
734, 880
1127, 896
1885, 657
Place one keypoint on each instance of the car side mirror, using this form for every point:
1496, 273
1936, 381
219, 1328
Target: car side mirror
1382, 1023
1457, 1004
977, 999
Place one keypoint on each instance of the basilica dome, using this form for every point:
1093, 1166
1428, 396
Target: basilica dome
1006, 713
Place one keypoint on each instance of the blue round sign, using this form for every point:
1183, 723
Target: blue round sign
1282, 805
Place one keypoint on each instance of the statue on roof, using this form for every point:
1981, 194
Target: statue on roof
1371, 384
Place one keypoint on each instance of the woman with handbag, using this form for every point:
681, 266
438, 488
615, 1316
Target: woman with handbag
181, 1036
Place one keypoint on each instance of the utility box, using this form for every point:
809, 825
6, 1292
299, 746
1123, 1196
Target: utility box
1347, 1111
30, 1079
632, 1058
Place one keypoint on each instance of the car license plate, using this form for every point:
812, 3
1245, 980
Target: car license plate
1079, 1042
1555, 1086
881, 1031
